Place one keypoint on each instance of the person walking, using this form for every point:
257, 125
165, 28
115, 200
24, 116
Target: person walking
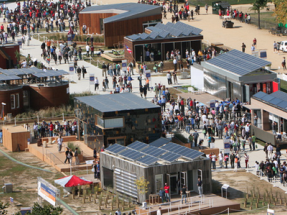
195, 137
226, 158
96, 83
243, 47
270, 151
284, 63
67, 153
232, 158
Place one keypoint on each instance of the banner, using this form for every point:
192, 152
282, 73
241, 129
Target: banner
47, 191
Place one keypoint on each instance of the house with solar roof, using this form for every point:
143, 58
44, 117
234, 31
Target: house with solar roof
117, 118
162, 38
32, 88
159, 162
115, 21
235, 74
269, 108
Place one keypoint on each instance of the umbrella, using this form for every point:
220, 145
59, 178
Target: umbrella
71, 181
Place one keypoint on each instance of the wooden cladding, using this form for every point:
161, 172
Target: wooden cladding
116, 31
92, 21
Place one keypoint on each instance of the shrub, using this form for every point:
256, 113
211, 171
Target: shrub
73, 147
181, 137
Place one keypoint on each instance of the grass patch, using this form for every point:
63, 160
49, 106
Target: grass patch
283, 85
95, 60
267, 20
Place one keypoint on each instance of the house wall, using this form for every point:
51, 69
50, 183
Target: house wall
111, 162
5, 97
116, 31
92, 21
10, 51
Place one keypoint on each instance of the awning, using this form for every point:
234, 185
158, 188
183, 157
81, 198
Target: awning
251, 107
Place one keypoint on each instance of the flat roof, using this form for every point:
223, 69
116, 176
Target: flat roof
148, 155
237, 62
277, 99
168, 30
124, 11
116, 102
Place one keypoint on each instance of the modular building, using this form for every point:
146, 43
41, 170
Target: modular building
115, 21
31, 88
160, 39
235, 74
158, 163
267, 109
117, 118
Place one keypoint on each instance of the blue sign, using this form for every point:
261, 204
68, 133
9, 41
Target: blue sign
71, 68
92, 78
147, 75
226, 145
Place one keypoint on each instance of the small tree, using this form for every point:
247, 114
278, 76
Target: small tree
257, 6
280, 11
45, 210
142, 185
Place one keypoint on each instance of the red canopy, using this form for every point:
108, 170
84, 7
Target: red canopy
71, 181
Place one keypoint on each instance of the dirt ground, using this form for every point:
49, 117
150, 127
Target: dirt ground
242, 182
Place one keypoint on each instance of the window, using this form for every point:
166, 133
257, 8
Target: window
114, 123
17, 100
12, 99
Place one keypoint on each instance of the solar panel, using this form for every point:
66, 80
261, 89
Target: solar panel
159, 142
267, 98
148, 160
131, 154
115, 148
8, 77
275, 101
170, 157
173, 147
137, 145
259, 95
153, 151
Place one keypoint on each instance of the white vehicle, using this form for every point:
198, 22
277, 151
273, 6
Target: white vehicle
283, 46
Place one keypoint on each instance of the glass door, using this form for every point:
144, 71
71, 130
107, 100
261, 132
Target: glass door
183, 180
158, 182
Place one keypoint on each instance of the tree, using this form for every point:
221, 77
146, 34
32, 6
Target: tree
45, 210
3, 207
142, 185
280, 11
257, 6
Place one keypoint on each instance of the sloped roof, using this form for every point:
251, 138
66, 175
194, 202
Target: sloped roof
277, 99
168, 30
124, 11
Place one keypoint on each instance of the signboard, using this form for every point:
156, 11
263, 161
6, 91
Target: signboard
92, 79
47, 191
19, 43
124, 65
226, 146
71, 67
270, 212
90, 162
212, 103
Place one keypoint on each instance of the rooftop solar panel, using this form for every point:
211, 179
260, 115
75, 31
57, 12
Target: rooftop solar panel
259, 95
282, 104
170, 157
160, 142
137, 145
115, 148
131, 154
153, 151
148, 160
267, 98
275, 101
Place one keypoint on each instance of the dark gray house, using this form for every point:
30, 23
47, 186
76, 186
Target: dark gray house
235, 74
170, 163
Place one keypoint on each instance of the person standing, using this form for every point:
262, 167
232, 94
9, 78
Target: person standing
226, 157
175, 64
183, 193
76, 156
243, 47
270, 151
246, 160
166, 190
60, 143
98, 170
232, 158
158, 212
96, 84
220, 156
161, 194
199, 185
206, 8
213, 160
84, 71
168, 76
79, 73
195, 137
284, 64
67, 153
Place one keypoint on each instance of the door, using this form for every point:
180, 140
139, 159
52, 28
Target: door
173, 184
183, 180
199, 174
158, 182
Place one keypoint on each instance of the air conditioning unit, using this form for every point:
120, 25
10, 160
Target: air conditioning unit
8, 188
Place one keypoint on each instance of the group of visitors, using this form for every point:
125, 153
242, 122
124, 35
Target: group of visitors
51, 129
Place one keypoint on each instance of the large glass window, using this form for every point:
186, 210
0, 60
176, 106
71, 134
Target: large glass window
108, 177
17, 101
110, 123
158, 182
12, 99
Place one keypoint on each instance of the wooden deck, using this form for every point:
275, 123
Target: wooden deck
110, 58
209, 204
203, 97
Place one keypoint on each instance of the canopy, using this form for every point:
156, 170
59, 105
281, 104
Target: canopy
71, 181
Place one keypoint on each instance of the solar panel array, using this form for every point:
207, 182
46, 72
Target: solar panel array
168, 30
238, 62
277, 99
148, 155
160, 142
16, 74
